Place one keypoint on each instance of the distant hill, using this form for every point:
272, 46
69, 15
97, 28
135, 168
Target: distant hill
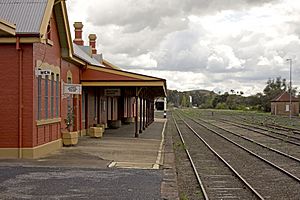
199, 92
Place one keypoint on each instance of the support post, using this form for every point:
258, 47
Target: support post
148, 112
141, 114
144, 114
136, 134
152, 108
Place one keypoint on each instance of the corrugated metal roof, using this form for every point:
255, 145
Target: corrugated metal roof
26, 14
80, 51
99, 57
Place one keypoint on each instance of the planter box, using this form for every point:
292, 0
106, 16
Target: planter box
96, 132
128, 120
100, 125
70, 138
114, 124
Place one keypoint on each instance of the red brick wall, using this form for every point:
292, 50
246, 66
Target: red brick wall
65, 67
10, 93
52, 55
49, 55
102, 106
281, 106
33, 135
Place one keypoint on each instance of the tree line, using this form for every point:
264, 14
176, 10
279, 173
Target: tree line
233, 100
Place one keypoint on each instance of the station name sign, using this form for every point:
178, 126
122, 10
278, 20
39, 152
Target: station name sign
112, 92
44, 72
72, 88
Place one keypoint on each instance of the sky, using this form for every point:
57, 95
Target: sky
216, 45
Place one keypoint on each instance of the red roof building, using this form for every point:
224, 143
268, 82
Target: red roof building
51, 86
281, 105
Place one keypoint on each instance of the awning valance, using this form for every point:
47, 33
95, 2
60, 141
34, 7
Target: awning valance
105, 77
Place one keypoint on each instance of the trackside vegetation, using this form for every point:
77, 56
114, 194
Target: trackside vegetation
232, 100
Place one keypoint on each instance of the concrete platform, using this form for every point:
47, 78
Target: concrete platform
117, 148
94, 168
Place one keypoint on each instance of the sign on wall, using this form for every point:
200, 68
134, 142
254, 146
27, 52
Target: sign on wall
112, 92
72, 88
42, 72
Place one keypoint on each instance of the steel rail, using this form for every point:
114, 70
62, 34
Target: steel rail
225, 162
272, 136
274, 126
261, 128
251, 152
255, 142
192, 162
248, 139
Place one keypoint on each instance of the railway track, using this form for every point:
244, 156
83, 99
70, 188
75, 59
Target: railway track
263, 137
220, 179
282, 128
285, 161
271, 128
261, 123
284, 136
270, 125
255, 169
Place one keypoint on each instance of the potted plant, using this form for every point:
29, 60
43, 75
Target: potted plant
69, 136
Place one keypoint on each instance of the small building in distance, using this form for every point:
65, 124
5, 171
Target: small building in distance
281, 105
160, 104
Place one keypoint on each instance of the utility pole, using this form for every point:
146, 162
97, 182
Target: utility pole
291, 62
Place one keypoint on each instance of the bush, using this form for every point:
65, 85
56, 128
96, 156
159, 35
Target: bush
221, 106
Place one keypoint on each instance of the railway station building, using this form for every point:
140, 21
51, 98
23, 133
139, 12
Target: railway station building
51, 85
280, 105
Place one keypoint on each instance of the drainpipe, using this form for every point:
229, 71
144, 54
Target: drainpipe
20, 111
60, 96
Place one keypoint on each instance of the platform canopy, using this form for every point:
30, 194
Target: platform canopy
106, 77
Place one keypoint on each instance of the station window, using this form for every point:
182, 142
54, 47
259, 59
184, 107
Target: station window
46, 97
52, 95
287, 108
69, 95
39, 109
69, 100
57, 95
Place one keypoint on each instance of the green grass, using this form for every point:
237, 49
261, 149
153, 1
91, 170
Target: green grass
183, 196
179, 145
254, 117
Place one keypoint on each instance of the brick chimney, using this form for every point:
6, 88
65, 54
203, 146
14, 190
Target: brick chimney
78, 33
93, 38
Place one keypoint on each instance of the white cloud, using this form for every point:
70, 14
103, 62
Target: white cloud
197, 44
263, 61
